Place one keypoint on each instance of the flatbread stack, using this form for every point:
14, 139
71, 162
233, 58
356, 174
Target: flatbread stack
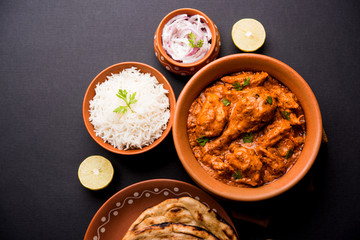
180, 218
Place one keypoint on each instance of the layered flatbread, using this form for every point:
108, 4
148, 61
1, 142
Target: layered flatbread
187, 211
172, 231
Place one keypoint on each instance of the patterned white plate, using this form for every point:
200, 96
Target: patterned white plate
117, 214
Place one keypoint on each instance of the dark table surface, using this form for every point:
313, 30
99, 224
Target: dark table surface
51, 50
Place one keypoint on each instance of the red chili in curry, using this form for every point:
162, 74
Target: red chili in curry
246, 129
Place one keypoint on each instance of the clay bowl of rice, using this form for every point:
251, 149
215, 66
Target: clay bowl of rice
129, 108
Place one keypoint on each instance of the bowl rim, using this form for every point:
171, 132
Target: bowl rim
158, 38
101, 77
248, 194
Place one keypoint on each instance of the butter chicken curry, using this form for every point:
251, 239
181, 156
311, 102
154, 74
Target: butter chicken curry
246, 129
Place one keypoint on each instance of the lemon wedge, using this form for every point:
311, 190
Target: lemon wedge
95, 172
248, 34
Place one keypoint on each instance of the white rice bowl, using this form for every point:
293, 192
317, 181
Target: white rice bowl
131, 130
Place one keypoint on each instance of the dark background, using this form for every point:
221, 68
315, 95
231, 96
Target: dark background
51, 50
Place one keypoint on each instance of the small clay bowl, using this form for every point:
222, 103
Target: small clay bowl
280, 71
101, 77
186, 68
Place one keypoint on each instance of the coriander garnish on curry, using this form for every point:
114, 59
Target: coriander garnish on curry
252, 138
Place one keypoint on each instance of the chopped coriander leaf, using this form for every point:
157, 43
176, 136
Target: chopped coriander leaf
246, 82
239, 87
269, 100
289, 153
286, 115
200, 43
202, 140
121, 109
192, 38
192, 41
248, 138
225, 102
237, 175
123, 94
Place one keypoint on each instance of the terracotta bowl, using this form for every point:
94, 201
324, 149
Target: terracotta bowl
186, 68
283, 73
101, 77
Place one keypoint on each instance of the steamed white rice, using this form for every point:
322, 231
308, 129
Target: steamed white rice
132, 130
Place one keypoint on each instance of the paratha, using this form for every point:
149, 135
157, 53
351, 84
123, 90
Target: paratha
172, 231
185, 210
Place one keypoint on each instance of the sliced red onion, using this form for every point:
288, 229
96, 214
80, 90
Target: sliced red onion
175, 38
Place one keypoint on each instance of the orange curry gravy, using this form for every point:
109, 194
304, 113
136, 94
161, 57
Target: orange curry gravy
246, 129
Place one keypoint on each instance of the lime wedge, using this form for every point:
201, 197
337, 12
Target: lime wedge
248, 34
95, 172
